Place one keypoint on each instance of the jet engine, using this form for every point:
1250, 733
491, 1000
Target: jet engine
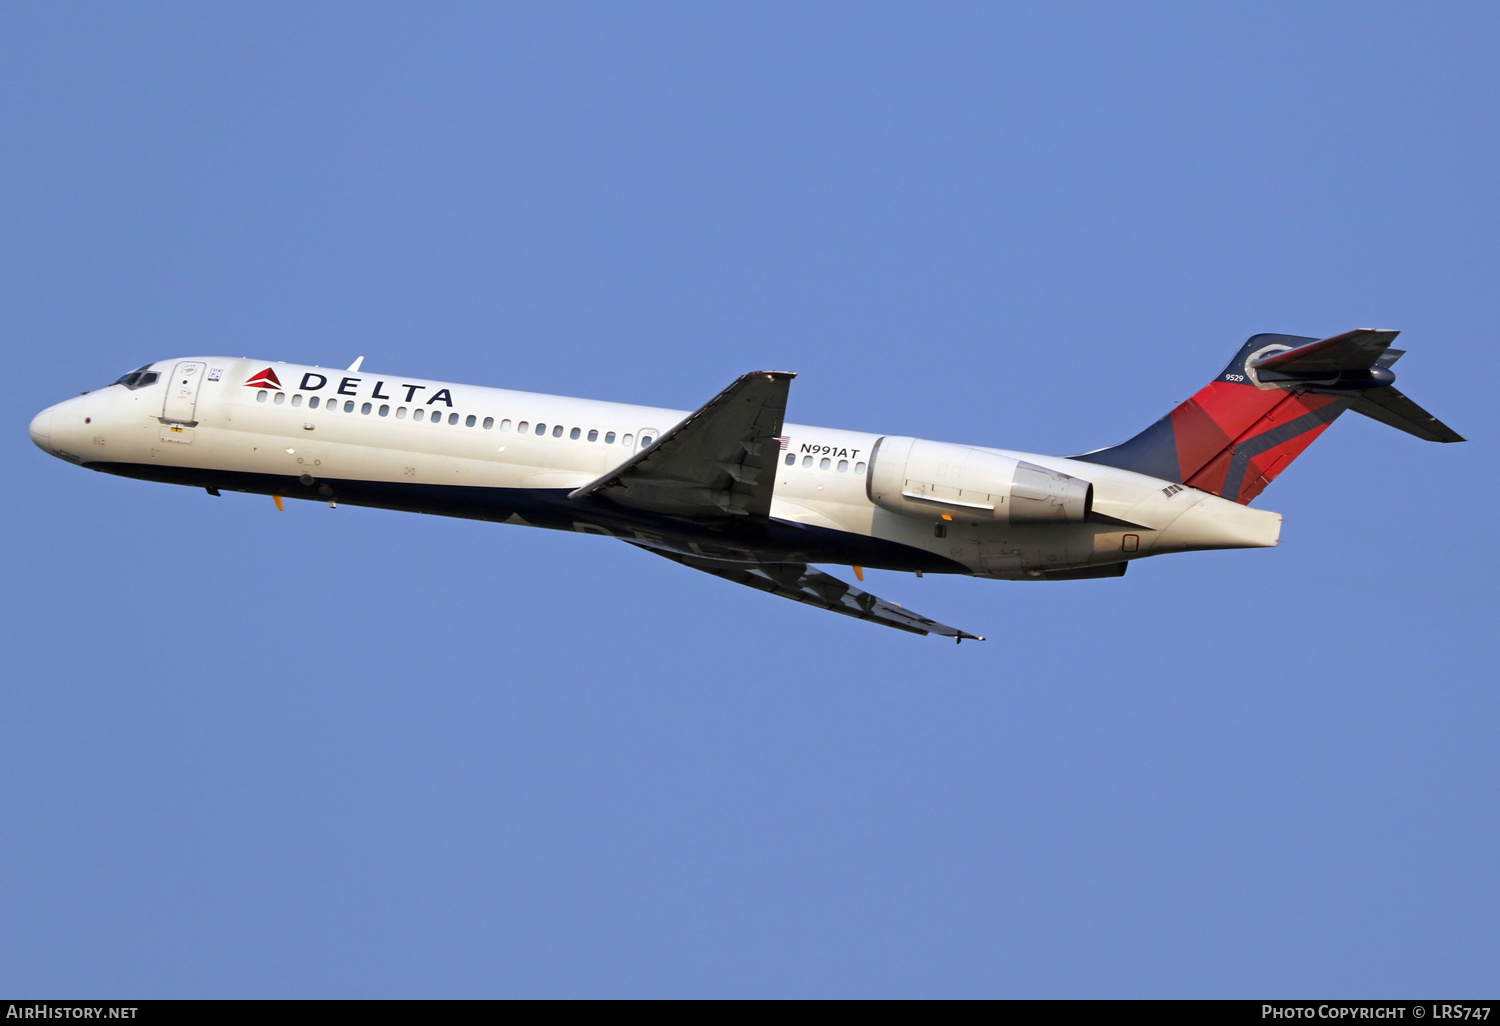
916, 477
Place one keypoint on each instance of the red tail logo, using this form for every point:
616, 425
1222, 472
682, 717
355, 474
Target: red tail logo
265, 379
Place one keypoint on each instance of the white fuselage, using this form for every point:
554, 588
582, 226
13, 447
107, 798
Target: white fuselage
374, 438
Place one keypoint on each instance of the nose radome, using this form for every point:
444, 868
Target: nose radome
41, 429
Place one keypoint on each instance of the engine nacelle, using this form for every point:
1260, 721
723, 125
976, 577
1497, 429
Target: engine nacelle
916, 477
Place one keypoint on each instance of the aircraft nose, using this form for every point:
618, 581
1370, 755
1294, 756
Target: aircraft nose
41, 429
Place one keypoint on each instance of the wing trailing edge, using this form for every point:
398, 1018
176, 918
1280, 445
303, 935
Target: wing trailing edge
801, 583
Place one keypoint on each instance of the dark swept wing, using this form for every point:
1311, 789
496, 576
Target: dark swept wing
801, 583
720, 461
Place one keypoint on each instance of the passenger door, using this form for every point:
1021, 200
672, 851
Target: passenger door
182, 393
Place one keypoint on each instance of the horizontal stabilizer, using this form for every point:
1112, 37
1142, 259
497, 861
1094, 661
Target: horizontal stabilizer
1353, 350
1393, 409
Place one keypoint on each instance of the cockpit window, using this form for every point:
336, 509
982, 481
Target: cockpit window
139, 378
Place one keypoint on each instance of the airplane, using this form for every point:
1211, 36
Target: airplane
730, 488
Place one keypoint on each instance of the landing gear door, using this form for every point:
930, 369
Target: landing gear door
182, 393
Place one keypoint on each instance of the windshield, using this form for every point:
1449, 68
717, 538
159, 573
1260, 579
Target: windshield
138, 378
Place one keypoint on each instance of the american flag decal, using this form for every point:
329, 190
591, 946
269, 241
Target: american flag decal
783, 441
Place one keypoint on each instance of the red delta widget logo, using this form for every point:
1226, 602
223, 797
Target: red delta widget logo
265, 379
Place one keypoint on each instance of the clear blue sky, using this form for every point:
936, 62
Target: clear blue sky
351, 753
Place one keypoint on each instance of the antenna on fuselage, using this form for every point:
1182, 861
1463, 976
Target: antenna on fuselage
355, 365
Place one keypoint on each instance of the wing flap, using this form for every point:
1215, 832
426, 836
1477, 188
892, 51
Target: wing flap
801, 583
717, 462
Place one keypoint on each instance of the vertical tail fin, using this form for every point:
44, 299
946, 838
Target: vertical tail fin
1278, 394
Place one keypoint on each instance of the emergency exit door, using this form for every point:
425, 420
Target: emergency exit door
182, 393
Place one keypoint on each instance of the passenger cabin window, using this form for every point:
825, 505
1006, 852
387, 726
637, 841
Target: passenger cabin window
280, 398
489, 422
312, 404
401, 413
366, 408
575, 434
627, 440
791, 459
824, 463
521, 427
505, 425
385, 411
470, 420
593, 435
609, 438
646, 440
557, 430
859, 468
453, 419
349, 405
297, 400
260, 396
843, 466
